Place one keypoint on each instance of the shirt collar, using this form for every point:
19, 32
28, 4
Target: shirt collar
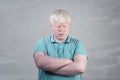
53, 40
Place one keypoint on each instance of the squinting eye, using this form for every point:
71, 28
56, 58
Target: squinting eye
58, 26
64, 26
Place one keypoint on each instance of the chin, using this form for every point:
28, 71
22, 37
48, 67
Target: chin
62, 37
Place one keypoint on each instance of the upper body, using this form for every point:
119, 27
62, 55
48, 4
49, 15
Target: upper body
60, 57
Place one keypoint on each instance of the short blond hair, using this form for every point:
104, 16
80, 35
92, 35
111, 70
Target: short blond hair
60, 16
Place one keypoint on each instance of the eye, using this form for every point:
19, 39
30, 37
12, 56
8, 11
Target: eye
58, 26
64, 26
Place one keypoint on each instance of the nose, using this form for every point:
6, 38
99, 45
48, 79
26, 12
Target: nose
61, 29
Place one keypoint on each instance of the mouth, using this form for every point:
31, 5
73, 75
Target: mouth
61, 34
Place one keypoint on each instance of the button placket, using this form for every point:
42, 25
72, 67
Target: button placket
60, 50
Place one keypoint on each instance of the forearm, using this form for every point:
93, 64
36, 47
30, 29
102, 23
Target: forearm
50, 64
70, 69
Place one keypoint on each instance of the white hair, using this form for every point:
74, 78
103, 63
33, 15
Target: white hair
59, 16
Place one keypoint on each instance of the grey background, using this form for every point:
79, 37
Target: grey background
24, 22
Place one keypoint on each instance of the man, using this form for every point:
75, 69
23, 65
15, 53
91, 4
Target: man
59, 56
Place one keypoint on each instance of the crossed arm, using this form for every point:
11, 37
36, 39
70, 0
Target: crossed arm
61, 66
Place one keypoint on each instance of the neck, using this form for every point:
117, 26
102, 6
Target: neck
60, 40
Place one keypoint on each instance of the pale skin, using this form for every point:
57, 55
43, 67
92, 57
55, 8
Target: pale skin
61, 66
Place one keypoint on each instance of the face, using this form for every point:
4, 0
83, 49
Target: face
60, 30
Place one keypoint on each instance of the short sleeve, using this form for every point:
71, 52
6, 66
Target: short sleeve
40, 47
80, 49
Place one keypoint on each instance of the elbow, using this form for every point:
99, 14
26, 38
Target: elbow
81, 70
38, 63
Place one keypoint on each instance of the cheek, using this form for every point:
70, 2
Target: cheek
68, 29
54, 30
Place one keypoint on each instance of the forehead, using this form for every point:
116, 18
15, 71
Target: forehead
61, 23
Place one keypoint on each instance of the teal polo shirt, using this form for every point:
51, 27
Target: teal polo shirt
68, 49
